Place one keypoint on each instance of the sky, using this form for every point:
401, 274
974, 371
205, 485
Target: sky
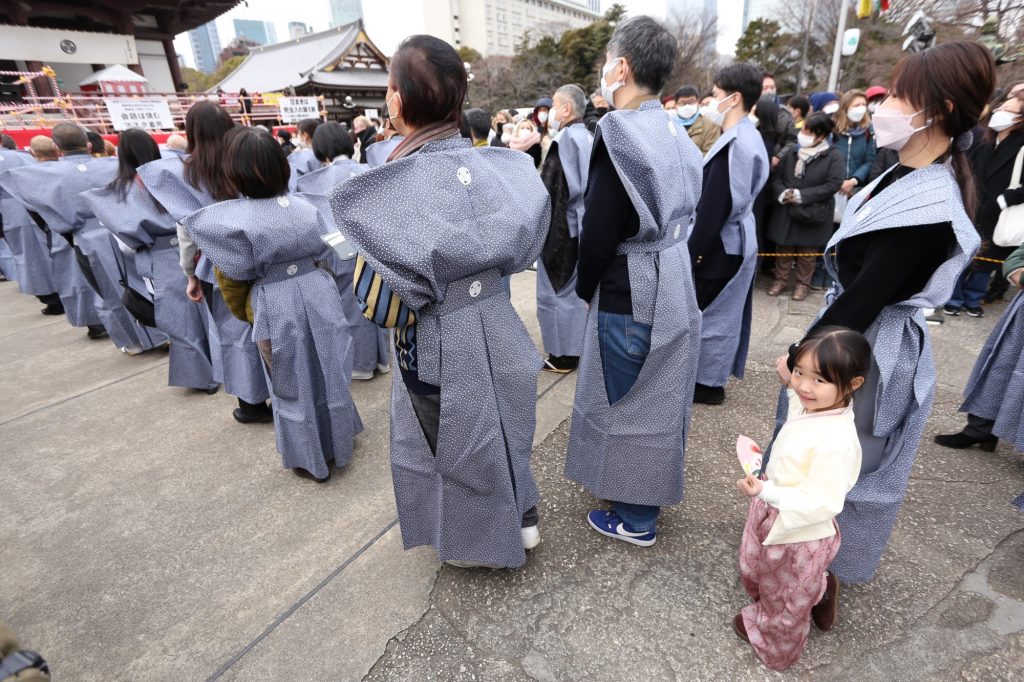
384, 22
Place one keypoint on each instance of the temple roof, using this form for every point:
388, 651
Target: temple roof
147, 19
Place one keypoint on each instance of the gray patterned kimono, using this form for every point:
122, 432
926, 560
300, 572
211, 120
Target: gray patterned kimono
52, 189
441, 228
725, 332
633, 451
144, 226
893, 405
562, 315
275, 243
371, 345
28, 243
377, 153
998, 377
303, 161
242, 366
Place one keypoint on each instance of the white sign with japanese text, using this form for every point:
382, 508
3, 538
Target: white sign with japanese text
150, 113
294, 109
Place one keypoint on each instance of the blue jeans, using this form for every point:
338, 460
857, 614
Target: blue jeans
971, 287
624, 345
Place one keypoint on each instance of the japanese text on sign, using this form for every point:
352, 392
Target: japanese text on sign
150, 113
294, 109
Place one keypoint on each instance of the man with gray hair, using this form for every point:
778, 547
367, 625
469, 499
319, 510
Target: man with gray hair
640, 348
53, 191
562, 314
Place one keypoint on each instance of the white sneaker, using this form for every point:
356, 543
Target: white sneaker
531, 537
470, 564
358, 375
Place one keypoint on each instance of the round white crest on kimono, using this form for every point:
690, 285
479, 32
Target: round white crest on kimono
291, 269
475, 288
464, 177
283, 201
675, 235
173, 241
82, 168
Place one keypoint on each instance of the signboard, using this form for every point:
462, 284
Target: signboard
294, 109
851, 39
150, 113
370, 113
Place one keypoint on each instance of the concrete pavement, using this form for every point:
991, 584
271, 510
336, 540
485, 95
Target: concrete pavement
147, 536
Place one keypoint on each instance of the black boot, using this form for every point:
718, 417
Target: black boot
962, 441
708, 395
53, 304
253, 413
96, 331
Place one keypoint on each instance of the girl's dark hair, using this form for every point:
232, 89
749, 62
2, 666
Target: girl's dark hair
255, 164
841, 355
96, 145
768, 119
951, 82
430, 79
308, 126
800, 103
206, 126
135, 147
331, 140
819, 124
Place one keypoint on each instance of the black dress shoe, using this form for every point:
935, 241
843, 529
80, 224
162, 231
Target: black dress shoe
302, 473
53, 309
96, 331
961, 441
243, 416
708, 395
211, 391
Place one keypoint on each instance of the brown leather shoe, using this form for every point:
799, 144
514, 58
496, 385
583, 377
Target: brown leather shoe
739, 628
824, 613
800, 293
776, 288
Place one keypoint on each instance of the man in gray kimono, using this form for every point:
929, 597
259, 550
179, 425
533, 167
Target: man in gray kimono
723, 242
562, 314
639, 362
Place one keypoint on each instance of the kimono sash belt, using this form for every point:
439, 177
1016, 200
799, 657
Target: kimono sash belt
458, 295
278, 272
670, 240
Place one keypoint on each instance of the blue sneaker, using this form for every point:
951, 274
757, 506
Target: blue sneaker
608, 523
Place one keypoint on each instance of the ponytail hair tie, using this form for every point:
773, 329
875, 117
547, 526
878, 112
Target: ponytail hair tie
964, 141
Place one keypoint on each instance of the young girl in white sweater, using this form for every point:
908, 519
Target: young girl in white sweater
791, 535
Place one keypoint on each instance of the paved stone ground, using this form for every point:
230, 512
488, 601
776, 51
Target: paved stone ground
146, 536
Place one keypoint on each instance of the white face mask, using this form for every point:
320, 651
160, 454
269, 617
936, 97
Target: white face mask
554, 123
893, 129
608, 91
873, 107
687, 111
713, 114
505, 138
1002, 119
542, 117
856, 114
387, 105
805, 140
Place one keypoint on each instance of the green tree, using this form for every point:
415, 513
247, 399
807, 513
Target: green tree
468, 54
224, 70
765, 45
195, 81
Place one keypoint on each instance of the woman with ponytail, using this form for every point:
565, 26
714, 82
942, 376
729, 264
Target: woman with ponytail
901, 247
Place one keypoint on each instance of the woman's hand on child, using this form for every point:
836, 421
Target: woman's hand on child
782, 369
749, 486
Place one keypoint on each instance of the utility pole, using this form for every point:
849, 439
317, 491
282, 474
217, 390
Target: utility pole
833, 76
800, 79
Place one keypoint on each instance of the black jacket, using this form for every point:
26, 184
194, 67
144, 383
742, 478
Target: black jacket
808, 223
993, 167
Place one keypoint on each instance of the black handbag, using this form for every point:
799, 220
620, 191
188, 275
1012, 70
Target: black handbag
139, 307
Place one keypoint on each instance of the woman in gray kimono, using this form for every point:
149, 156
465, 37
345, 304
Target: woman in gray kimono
371, 345
183, 186
128, 210
903, 242
439, 225
269, 242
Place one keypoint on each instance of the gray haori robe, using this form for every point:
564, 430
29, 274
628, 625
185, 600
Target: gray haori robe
441, 228
632, 451
561, 313
725, 332
144, 226
241, 363
28, 243
53, 190
78, 297
377, 153
303, 161
893, 405
275, 244
8, 268
371, 345
997, 381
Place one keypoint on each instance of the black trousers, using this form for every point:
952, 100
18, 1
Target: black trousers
978, 427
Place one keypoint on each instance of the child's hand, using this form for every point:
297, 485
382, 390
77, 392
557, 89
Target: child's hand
749, 486
782, 369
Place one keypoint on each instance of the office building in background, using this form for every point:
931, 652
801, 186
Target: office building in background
760, 9
345, 12
297, 29
205, 46
260, 32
